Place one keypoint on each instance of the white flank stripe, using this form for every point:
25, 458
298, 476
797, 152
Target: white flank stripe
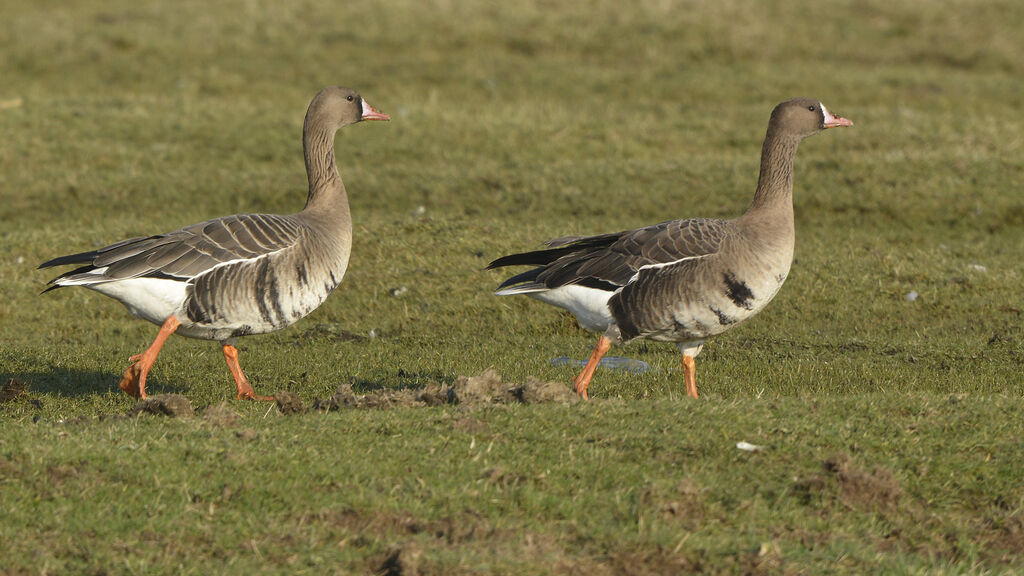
661, 265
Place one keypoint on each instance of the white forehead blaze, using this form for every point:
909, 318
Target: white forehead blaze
368, 110
828, 117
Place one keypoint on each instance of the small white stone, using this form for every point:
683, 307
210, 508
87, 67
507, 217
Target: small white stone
977, 268
912, 295
748, 447
21, 259
419, 211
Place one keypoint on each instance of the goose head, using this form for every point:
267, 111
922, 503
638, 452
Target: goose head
804, 117
335, 107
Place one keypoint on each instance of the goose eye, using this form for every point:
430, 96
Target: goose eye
811, 108
350, 99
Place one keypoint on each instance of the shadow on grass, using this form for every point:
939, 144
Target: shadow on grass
78, 383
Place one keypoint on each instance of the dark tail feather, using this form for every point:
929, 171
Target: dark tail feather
561, 247
80, 270
71, 259
528, 276
536, 258
91, 254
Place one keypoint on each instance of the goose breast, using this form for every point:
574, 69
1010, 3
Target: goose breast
266, 293
697, 298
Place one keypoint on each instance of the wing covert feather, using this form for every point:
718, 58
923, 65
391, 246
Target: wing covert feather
618, 258
190, 251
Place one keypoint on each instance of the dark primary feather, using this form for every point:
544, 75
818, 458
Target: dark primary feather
187, 252
609, 261
556, 249
86, 256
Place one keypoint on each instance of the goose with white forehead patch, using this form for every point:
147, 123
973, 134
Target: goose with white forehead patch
681, 281
236, 275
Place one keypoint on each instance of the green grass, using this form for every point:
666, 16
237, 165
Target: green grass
514, 123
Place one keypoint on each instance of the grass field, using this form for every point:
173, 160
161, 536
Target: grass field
891, 428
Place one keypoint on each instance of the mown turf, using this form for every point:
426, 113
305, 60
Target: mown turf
852, 484
893, 425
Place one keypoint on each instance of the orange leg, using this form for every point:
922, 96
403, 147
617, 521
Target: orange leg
690, 373
133, 382
244, 388
583, 380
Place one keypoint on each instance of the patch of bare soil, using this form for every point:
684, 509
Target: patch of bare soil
405, 559
409, 537
472, 391
465, 527
651, 562
843, 481
1004, 537
12, 390
289, 402
173, 405
685, 505
875, 490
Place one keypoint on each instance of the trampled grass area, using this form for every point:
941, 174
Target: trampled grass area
892, 426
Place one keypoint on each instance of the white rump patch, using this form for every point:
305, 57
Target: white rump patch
589, 305
152, 299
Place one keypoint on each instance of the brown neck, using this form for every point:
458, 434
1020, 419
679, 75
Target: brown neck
326, 190
775, 185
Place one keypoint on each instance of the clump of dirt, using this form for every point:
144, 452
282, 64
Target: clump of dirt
289, 402
173, 405
537, 392
471, 391
843, 481
483, 389
343, 398
488, 388
12, 390
221, 415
